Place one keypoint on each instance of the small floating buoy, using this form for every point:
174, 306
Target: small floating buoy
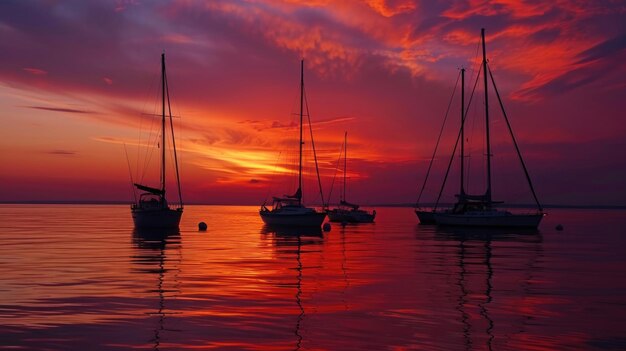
202, 226
326, 227
559, 227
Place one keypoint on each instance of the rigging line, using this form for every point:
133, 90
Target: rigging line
130, 172
345, 166
430, 165
145, 100
477, 72
317, 169
179, 114
486, 151
475, 59
139, 144
519, 154
467, 112
335, 175
163, 131
169, 106
469, 161
269, 191
148, 154
149, 142
456, 143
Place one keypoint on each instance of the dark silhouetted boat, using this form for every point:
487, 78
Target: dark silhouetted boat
479, 210
151, 209
348, 212
288, 210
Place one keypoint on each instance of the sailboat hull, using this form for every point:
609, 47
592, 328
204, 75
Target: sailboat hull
489, 219
163, 218
282, 219
426, 217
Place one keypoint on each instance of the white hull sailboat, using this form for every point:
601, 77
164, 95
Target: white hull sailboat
348, 212
152, 211
289, 211
479, 210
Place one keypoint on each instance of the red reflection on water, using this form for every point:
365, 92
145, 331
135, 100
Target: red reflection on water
79, 276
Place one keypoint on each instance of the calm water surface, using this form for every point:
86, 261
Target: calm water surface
79, 278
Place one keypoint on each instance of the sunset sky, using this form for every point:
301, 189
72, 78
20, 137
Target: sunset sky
78, 80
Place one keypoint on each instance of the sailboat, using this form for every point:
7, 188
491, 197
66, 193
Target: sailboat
288, 210
348, 212
479, 210
151, 209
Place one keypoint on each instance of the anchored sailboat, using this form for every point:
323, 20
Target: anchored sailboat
479, 210
151, 210
348, 212
288, 210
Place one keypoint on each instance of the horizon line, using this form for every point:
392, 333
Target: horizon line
411, 205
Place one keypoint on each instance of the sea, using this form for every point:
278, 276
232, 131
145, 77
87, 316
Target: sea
78, 277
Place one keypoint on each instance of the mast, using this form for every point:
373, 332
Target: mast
488, 191
345, 164
519, 154
169, 108
462, 193
301, 113
163, 125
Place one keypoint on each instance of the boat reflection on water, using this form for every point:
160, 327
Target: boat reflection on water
155, 238
284, 234
290, 241
158, 253
483, 234
516, 252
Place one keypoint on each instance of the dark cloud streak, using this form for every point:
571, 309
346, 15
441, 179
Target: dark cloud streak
607, 48
62, 152
60, 109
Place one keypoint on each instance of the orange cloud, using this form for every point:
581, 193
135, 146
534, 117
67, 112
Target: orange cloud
386, 9
514, 8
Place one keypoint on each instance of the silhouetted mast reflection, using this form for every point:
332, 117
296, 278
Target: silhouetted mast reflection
343, 267
299, 294
469, 259
289, 237
483, 306
160, 313
152, 248
463, 298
